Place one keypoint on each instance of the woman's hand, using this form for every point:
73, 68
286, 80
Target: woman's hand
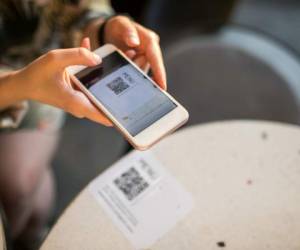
46, 80
139, 43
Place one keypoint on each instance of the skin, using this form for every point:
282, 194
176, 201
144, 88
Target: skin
26, 183
137, 42
46, 79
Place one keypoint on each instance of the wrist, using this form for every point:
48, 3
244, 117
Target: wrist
101, 34
91, 31
19, 85
10, 91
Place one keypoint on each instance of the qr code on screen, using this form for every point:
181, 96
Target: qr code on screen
118, 85
131, 183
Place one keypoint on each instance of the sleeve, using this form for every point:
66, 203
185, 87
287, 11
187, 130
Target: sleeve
12, 116
87, 11
100, 6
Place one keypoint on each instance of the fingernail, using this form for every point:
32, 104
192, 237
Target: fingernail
134, 40
97, 58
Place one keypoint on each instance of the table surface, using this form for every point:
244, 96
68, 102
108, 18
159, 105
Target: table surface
244, 179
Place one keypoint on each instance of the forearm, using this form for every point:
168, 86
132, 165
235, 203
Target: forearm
11, 89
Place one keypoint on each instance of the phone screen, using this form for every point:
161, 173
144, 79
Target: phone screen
126, 93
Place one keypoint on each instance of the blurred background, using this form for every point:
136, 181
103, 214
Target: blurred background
225, 59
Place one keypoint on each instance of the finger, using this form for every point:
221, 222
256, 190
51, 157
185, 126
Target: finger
80, 106
153, 54
63, 58
86, 43
130, 53
140, 61
146, 68
127, 31
154, 57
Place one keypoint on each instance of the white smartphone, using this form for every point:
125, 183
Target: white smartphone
136, 105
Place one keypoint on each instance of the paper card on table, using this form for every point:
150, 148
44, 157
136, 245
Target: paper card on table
143, 200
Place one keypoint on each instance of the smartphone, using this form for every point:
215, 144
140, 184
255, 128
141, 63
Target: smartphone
136, 105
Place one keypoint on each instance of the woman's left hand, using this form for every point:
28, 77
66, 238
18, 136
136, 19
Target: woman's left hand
138, 43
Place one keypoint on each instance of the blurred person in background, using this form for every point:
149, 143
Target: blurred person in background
31, 75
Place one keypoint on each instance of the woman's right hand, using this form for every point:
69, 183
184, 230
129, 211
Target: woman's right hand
46, 80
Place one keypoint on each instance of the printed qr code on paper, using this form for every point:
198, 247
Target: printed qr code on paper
131, 183
118, 85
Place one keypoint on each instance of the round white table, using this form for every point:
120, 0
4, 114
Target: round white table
244, 177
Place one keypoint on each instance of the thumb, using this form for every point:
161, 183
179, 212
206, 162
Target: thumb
63, 58
129, 32
86, 43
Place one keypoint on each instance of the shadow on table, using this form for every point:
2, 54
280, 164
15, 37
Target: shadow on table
85, 150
